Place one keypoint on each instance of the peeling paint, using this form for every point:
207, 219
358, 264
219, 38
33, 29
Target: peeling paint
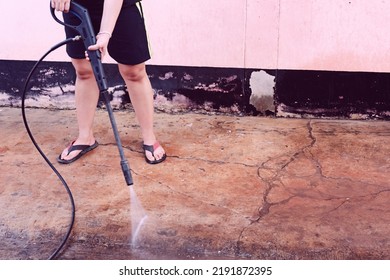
205, 90
262, 85
166, 76
4, 98
281, 93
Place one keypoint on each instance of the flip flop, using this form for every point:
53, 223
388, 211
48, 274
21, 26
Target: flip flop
83, 148
152, 148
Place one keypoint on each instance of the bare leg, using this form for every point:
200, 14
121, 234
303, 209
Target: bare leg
141, 96
87, 96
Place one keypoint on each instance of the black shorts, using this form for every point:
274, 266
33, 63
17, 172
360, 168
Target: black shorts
129, 42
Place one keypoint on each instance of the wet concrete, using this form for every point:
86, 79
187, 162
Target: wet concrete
231, 188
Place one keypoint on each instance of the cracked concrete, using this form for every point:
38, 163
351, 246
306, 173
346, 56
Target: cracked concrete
231, 188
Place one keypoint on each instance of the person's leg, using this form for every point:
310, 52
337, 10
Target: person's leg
87, 96
141, 96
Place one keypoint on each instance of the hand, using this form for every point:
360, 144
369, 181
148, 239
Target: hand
61, 5
102, 40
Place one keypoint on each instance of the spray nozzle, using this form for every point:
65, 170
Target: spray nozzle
126, 172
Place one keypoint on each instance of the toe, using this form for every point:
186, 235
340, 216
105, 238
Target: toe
156, 155
64, 154
159, 153
71, 155
149, 155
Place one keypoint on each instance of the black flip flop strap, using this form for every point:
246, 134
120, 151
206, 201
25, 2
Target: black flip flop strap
78, 148
149, 148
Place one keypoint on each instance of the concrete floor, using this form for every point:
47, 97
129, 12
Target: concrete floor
231, 188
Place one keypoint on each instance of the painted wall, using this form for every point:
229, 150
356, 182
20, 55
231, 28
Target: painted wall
344, 35
334, 35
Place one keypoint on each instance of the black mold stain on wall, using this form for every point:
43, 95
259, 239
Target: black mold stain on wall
298, 93
47, 75
14, 74
222, 89
333, 94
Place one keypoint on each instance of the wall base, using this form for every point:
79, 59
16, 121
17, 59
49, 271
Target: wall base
243, 92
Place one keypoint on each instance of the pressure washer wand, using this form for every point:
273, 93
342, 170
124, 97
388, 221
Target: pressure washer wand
88, 37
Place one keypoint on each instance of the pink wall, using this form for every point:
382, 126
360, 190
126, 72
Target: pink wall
197, 33
224, 33
335, 34
28, 31
348, 35
262, 27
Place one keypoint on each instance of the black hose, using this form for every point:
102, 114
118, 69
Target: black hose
66, 237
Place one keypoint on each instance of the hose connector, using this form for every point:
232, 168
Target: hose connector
77, 38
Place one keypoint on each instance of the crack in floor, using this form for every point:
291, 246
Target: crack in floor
264, 209
277, 173
271, 177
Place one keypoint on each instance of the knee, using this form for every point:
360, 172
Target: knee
84, 73
134, 73
83, 69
